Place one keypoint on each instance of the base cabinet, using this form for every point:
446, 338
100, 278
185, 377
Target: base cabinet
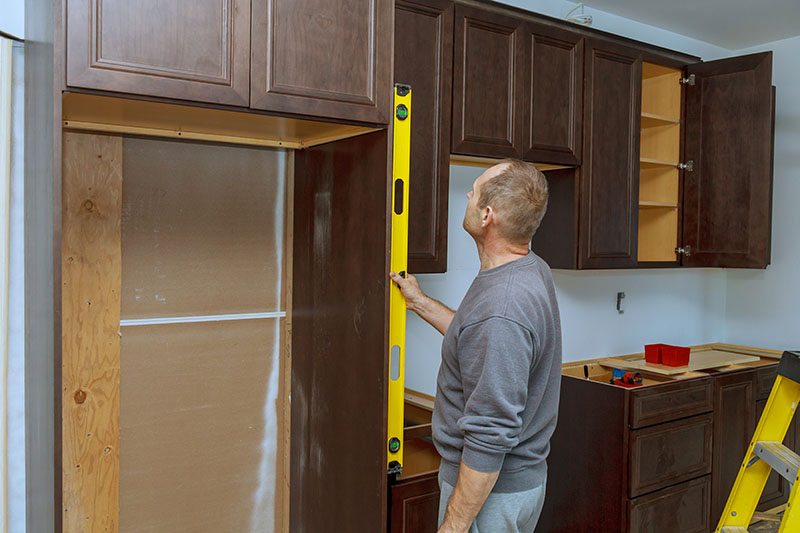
414, 505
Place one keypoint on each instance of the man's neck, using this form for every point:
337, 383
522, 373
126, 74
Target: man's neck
496, 253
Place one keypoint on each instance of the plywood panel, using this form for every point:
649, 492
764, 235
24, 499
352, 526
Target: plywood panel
698, 360
91, 279
661, 142
658, 184
198, 426
199, 228
661, 91
658, 234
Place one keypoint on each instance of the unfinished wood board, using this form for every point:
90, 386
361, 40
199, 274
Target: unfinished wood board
702, 360
419, 456
651, 119
198, 427
487, 162
199, 228
139, 117
658, 233
91, 280
661, 91
658, 184
661, 142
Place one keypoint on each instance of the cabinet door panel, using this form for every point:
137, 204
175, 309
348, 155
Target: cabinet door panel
610, 170
415, 505
424, 59
488, 105
188, 49
322, 58
734, 424
554, 95
338, 441
729, 137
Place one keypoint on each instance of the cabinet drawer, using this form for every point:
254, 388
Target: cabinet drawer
662, 403
765, 379
667, 454
683, 508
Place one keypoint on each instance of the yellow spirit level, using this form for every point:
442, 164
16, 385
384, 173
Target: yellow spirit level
397, 303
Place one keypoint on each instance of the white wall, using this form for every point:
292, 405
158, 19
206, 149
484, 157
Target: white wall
12, 17
680, 306
763, 307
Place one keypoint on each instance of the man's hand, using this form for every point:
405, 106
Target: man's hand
431, 311
409, 286
471, 491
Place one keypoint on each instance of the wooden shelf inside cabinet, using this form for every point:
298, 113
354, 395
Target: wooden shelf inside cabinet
139, 117
656, 205
486, 162
652, 120
648, 162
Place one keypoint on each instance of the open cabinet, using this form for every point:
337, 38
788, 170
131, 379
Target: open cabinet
216, 296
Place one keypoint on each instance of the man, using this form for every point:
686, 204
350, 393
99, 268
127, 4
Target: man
498, 384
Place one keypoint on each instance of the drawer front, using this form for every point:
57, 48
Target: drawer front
662, 403
683, 508
765, 379
667, 454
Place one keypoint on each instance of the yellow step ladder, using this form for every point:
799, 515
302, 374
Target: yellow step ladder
401, 161
767, 453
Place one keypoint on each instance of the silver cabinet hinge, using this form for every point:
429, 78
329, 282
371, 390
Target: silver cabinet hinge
688, 81
685, 250
688, 166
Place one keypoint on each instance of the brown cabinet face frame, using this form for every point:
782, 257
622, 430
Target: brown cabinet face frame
188, 50
322, 58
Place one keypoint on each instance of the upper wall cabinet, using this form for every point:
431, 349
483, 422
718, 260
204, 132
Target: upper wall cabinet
424, 59
323, 58
554, 95
187, 49
729, 139
489, 73
610, 171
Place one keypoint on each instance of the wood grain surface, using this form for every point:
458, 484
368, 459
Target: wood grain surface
91, 271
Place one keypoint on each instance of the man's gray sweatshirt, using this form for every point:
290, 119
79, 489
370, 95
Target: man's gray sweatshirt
500, 376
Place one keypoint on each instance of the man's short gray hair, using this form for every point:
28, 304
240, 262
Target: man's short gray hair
519, 197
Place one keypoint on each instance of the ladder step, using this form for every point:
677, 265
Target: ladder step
783, 460
733, 530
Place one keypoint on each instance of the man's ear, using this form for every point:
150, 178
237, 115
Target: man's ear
488, 216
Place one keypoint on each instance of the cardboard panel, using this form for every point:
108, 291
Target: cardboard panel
199, 420
199, 228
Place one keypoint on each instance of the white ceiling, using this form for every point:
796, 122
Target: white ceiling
731, 24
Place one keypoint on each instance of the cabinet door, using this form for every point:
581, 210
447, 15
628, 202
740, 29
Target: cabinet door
554, 91
727, 197
188, 49
488, 84
610, 170
415, 505
423, 52
322, 58
734, 425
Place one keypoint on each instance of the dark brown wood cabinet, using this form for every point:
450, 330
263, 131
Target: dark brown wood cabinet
554, 97
609, 192
184, 49
729, 139
321, 58
415, 504
734, 425
489, 72
423, 58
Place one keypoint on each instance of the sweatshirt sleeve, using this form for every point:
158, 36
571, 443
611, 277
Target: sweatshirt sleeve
495, 357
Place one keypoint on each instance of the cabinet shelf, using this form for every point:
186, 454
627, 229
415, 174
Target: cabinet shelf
652, 120
643, 204
649, 162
